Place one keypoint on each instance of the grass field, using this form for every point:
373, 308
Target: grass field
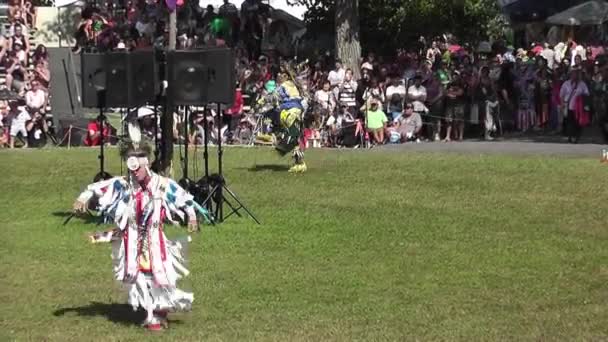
368, 245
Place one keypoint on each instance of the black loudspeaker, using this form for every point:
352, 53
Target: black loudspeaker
143, 74
93, 78
199, 77
221, 76
187, 78
117, 79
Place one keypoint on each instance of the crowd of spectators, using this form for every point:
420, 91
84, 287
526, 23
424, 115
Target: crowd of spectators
27, 79
440, 90
446, 92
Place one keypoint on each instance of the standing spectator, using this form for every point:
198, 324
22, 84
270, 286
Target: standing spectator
18, 116
571, 94
373, 93
336, 76
233, 114
145, 27
229, 11
324, 103
433, 52
542, 96
347, 93
436, 104
489, 102
455, 109
417, 95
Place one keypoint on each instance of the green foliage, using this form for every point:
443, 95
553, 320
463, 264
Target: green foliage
405, 21
381, 245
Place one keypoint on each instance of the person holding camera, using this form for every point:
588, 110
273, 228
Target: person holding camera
15, 74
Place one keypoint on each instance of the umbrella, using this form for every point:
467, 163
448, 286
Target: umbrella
454, 48
7, 95
590, 13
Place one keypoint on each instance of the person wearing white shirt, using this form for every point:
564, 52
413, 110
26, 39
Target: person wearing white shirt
336, 76
395, 96
569, 94
325, 102
19, 117
35, 98
417, 94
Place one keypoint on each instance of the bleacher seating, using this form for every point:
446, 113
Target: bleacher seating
6, 28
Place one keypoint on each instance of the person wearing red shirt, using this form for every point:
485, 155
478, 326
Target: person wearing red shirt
93, 137
232, 115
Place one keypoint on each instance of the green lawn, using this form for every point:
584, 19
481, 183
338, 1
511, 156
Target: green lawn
368, 245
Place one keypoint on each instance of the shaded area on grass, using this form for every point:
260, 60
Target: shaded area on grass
116, 313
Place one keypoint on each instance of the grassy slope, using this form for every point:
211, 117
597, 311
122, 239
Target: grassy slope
367, 245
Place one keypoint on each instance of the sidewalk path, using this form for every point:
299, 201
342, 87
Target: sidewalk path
509, 147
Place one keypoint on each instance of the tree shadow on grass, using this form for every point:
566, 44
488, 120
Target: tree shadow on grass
113, 312
268, 167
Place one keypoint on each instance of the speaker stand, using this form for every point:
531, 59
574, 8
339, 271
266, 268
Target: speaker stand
218, 182
101, 118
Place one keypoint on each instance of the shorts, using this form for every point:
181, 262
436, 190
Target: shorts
17, 84
16, 129
454, 113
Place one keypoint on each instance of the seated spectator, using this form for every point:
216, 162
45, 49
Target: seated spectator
16, 74
409, 124
376, 122
93, 137
19, 41
40, 54
395, 95
3, 48
29, 13
4, 134
18, 117
14, 9
42, 74
36, 99
22, 55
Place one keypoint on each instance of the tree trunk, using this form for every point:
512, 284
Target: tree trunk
166, 121
348, 46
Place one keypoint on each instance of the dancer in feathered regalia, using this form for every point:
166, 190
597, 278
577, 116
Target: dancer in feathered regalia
145, 261
292, 107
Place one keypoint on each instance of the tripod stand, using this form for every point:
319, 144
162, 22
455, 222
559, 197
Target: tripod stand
101, 118
216, 182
